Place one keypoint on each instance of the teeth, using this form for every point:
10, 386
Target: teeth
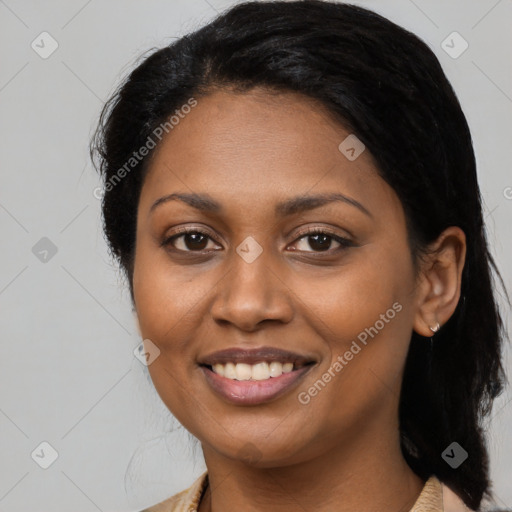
287, 367
259, 371
229, 371
275, 369
243, 371
219, 369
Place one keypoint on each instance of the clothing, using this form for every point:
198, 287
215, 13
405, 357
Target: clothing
434, 497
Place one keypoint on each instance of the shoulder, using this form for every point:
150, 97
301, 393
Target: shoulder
185, 501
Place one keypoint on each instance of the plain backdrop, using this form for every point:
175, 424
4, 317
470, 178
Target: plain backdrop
68, 375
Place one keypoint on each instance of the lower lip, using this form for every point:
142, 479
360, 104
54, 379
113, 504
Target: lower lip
253, 392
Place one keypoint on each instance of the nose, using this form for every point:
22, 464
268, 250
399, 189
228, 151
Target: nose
251, 294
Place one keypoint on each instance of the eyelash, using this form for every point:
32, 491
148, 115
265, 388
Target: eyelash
344, 242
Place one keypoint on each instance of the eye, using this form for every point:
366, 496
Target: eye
189, 240
320, 240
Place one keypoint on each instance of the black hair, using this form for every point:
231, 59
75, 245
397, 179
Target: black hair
384, 84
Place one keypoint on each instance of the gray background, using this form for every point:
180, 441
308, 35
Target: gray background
68, 374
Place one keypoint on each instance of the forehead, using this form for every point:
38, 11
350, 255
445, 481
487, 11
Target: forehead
260, 145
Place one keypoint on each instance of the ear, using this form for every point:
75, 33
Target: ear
439, 281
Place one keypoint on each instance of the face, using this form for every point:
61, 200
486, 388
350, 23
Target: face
241, 274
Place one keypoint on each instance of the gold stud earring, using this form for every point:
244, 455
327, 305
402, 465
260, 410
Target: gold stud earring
435, 328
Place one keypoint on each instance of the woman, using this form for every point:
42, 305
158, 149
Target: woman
291, 191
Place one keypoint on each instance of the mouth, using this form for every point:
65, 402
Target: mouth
250, 377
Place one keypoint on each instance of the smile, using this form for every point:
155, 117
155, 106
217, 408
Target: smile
259, 371
251, 377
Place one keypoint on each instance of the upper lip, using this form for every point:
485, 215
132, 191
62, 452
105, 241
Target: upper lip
253, 356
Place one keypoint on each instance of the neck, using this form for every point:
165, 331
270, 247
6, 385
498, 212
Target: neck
366, 474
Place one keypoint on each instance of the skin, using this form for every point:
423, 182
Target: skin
249, 151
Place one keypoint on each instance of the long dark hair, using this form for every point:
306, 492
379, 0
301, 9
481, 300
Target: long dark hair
385, 85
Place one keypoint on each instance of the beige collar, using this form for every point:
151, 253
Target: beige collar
434, 497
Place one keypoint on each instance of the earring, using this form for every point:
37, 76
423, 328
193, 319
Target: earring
435, 328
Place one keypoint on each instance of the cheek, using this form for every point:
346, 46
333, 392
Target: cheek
167, 301
165, 294
364, 288
365, 315
373, 320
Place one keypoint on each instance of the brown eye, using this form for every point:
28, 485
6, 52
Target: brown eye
321, 241
190, 241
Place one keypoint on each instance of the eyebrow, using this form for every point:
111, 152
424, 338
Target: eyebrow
291, 206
